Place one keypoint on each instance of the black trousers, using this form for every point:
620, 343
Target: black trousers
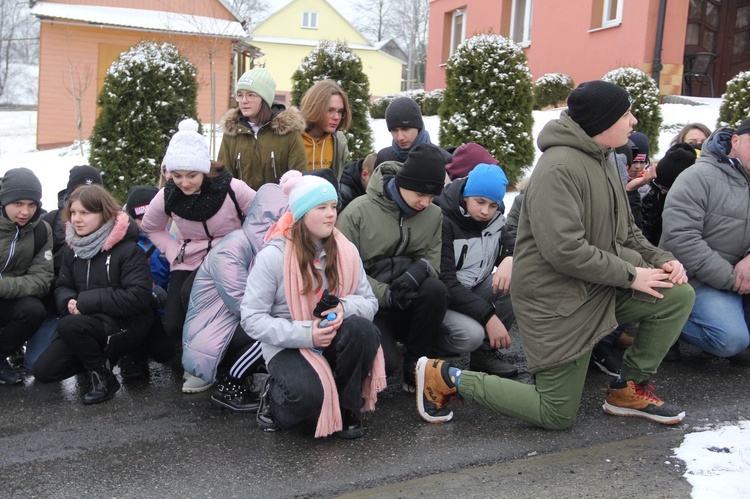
417, 328
296, 391
243, 355
19, 320
180, 285
77, 347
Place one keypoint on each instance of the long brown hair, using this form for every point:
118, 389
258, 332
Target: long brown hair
95, 199
305, 251
315, 102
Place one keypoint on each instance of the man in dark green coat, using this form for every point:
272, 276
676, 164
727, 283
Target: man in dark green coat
581, 266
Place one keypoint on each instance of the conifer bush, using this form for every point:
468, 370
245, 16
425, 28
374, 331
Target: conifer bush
147, 91
735, 105
645, 94
551, 89
379, 105
488, 100
430, 102
334, 60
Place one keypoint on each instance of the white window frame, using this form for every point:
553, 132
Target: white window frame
525, 38
454, 42
310, 19
606, 7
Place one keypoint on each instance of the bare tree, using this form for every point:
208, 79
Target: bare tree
375, 20
252, 12
80, 80
410, 26
19, 38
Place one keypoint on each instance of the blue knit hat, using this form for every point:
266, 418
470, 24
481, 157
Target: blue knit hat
306, 192
486, 181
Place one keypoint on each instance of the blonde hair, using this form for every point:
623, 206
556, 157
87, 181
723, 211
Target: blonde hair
315, 102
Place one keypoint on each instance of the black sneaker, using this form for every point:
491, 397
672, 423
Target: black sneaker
104, 384
264, 417
8, 374
17, 358
491, 361
352, 425
234, 395
673, 354
133, 367
607, 358
742, 358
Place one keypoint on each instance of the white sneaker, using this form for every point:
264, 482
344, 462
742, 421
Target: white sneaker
193, 384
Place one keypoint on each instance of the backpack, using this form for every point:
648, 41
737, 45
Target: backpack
40, 237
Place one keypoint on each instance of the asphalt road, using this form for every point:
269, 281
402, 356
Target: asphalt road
153, 441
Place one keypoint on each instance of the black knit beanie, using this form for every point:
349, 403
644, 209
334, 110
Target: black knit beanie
83, 175
139, 197
403, 112
744, 127
597, 105
676, 160
423, 170
20, 183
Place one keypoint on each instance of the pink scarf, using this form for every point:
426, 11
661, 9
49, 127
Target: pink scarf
301, 307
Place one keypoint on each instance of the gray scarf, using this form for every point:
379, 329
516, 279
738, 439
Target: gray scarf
87, 247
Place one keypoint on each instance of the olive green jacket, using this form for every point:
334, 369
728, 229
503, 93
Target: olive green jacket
23, 273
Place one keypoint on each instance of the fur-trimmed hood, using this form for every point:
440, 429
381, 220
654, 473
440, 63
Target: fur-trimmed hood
284, 121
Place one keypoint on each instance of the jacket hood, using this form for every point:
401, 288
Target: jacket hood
375, 187
566, 132
269, 204
125, 229
719, 144
283, 122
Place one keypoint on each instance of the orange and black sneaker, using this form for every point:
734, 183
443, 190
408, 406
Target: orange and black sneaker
627, 398
434, 390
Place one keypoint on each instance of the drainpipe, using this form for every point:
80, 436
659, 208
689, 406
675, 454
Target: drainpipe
658, 66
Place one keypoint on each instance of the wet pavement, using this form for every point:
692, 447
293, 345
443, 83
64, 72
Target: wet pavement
152, 440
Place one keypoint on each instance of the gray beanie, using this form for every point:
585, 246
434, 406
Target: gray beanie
20, 183
403, 113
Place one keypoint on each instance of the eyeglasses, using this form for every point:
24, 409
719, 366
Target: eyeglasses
336, 112
240, 96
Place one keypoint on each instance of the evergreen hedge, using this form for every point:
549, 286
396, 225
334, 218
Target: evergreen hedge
735, 105
551, 89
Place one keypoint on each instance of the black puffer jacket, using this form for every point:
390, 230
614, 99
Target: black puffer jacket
114, 285
350, 185
470, 251
652, 206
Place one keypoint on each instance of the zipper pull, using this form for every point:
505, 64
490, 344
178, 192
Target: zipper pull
181, 255
273, 165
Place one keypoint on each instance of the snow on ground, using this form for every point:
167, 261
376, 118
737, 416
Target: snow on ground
717, 461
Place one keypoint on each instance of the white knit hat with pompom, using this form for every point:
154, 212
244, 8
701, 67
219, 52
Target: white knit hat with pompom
187, 149
306, 192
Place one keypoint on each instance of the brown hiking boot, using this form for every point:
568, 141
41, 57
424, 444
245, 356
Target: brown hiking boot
626, 398
434, 390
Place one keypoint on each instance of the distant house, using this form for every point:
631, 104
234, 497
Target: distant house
294, 30
587, 38
79, 40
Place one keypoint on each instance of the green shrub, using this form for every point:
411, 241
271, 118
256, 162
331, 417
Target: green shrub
645, 94
735, 105
379, 105
488, 100
552, 88
431, 102
334, 60
147, 91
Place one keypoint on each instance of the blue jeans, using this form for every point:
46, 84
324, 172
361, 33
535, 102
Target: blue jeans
718, 322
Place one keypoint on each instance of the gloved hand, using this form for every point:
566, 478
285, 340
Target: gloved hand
402, 298
327, 302
413, 277
160, 295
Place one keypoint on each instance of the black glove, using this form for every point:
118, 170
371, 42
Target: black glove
413, 277
160, 295
402, 298
327, 302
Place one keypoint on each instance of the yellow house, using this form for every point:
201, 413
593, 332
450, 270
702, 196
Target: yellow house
294, 30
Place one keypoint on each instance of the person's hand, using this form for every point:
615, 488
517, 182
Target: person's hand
742, 276
323, 336
649, 280
496, 333
339, 311
648, 175
501, 279
72, 307
402, 298
160, 295
413, 277
677, 272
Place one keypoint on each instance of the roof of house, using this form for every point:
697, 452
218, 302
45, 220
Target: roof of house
149, 20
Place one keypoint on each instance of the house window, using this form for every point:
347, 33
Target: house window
458, 29
310, 19
520, 25
611, 13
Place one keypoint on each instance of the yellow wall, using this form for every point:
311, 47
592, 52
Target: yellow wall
282, 60
287, 23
